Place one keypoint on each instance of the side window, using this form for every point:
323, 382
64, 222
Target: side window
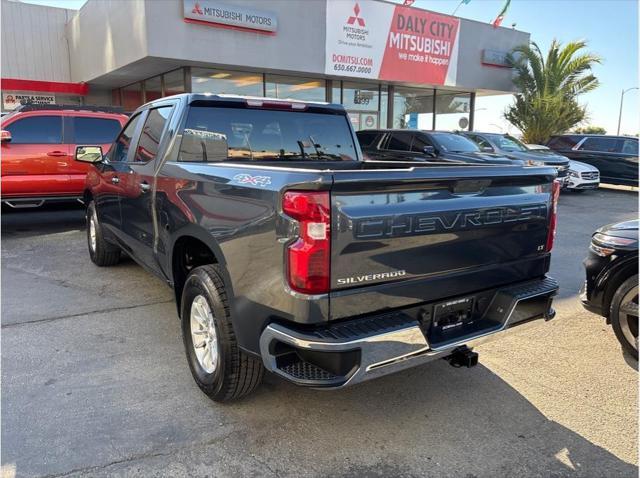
400, 142
121, 148
151, 134
419, 142
600, 144
562, 142
36, 130
366, 138
630, 146
480, 141
94, 130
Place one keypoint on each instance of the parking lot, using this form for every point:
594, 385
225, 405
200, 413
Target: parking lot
95, 382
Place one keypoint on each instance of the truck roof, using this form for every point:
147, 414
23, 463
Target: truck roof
406, 130
244, 100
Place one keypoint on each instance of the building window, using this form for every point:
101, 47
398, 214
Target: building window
360, 97
413, 108
336, 92
304, 89
153, 89
132, 96
205, 80
452, 110
362, 101
174, 82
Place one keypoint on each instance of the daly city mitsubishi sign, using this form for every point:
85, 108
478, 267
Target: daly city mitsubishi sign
384, 41
234, 16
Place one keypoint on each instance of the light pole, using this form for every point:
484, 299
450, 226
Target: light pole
621, 102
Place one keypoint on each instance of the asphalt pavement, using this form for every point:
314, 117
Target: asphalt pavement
95, 382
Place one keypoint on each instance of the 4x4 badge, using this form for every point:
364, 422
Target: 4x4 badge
253, 180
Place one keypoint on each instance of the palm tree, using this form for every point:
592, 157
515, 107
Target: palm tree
546, 102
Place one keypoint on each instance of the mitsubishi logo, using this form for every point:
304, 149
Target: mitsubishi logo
356, 17
197, 9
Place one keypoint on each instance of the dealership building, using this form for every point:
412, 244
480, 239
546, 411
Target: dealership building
388, 64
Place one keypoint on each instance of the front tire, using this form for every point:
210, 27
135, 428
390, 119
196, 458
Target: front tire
102, 253
624, 315
219, 367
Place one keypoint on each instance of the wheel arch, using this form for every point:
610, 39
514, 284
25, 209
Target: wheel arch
613, 278
194, 247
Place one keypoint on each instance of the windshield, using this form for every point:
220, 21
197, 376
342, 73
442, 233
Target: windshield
262, 134
454, 143
508, 143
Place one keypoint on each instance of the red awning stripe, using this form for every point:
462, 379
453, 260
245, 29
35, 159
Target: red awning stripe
14, 84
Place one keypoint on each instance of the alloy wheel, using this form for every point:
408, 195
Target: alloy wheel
628, 316
92, 231
203, 334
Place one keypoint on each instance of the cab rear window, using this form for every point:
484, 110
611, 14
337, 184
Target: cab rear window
269, 135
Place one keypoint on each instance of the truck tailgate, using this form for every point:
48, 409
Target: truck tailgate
404, 237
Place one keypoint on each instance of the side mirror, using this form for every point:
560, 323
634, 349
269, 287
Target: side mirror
89, 154
5, 136
203, 146
430, 150
487, 149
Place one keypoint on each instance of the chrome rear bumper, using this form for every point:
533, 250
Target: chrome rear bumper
354, 351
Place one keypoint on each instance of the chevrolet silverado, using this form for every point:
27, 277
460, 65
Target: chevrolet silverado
289, 253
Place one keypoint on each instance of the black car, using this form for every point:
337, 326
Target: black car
615, 156
426, 146
611, 287
507, 145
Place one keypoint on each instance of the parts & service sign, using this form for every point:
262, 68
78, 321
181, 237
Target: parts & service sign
391, 42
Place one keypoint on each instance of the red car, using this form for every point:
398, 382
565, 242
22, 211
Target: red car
38, 147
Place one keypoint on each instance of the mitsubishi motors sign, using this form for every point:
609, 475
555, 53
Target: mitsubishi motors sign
384, 41
215, 13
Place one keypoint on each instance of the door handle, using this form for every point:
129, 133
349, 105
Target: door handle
115, 180
56, 153
145, 186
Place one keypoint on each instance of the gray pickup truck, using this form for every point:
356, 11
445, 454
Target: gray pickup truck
289, 253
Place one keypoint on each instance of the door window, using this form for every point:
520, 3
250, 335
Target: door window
563, 142
94, 130
366, 138
121, 148
600, 144
151, 134
630, 146
36, 130
480, 141
400, 142
419, 142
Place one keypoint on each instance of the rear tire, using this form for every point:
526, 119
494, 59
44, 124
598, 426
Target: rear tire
102, 253
624, 315
219, 367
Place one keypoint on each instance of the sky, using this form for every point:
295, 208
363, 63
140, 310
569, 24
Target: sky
609, 26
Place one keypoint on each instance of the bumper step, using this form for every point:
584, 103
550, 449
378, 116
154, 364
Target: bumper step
370, 347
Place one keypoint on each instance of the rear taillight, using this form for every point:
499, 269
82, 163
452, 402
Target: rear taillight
308, 257
553, 217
